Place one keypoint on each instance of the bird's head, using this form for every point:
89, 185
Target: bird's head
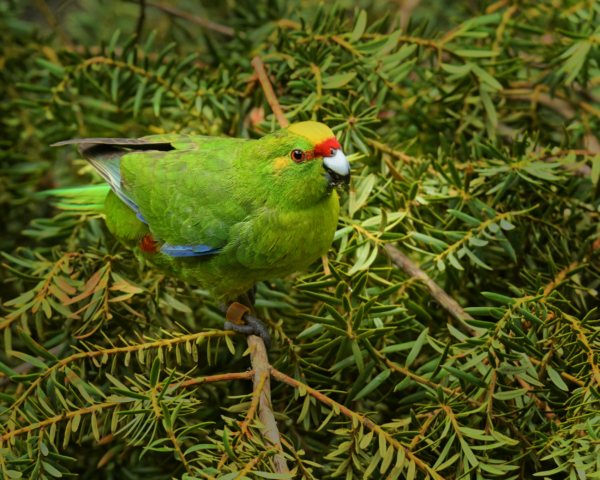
308, 152
317, 143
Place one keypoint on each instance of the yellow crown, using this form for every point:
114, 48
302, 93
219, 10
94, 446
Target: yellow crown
316, 132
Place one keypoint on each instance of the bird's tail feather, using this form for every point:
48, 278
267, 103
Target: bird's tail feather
87, 199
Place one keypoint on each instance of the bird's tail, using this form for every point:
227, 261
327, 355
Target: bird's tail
87, 199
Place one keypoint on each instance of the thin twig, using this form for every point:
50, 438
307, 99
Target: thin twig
58, 418
51, 19
261, 73
216, 378
445, 300
260, 363
386, 149
337, 407
179, 452
230, 32
254, 405
100, 406
251, 464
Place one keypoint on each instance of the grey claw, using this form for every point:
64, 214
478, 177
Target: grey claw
253, 327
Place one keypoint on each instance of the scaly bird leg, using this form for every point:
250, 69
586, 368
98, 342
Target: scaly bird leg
236, 313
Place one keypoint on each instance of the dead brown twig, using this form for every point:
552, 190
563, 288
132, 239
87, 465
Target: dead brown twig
261, 73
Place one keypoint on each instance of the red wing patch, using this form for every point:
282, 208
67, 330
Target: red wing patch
148, 244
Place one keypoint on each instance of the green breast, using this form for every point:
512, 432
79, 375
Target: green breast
272, 243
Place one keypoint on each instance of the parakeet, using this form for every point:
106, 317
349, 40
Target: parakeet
223, 213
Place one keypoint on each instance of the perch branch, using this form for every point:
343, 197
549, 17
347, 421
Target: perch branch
260, 363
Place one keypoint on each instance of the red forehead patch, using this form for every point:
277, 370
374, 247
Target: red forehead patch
323, 149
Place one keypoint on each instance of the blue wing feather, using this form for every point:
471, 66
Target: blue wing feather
187, 250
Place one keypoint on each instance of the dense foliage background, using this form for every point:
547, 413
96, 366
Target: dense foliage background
472, 128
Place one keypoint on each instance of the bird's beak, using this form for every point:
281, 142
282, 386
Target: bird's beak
337, 168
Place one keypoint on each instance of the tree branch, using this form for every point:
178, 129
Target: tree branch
261, 73
260, 363
445, 300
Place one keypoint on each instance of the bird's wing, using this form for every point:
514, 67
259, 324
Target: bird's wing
187, 197
181, 186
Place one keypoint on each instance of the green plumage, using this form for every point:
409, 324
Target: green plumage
262, 214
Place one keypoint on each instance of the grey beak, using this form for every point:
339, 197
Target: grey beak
337, 168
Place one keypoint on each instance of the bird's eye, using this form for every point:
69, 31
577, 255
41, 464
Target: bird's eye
332, 152
297, 155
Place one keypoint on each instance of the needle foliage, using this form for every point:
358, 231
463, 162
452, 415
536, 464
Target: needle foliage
474, 151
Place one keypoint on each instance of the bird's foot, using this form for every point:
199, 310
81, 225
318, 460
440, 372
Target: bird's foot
236, 313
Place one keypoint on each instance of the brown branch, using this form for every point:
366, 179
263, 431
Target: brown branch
445, 300
230, 32
337, 407
216, 378
260, 363
261, 73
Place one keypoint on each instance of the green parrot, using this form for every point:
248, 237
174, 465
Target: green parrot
222, 213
